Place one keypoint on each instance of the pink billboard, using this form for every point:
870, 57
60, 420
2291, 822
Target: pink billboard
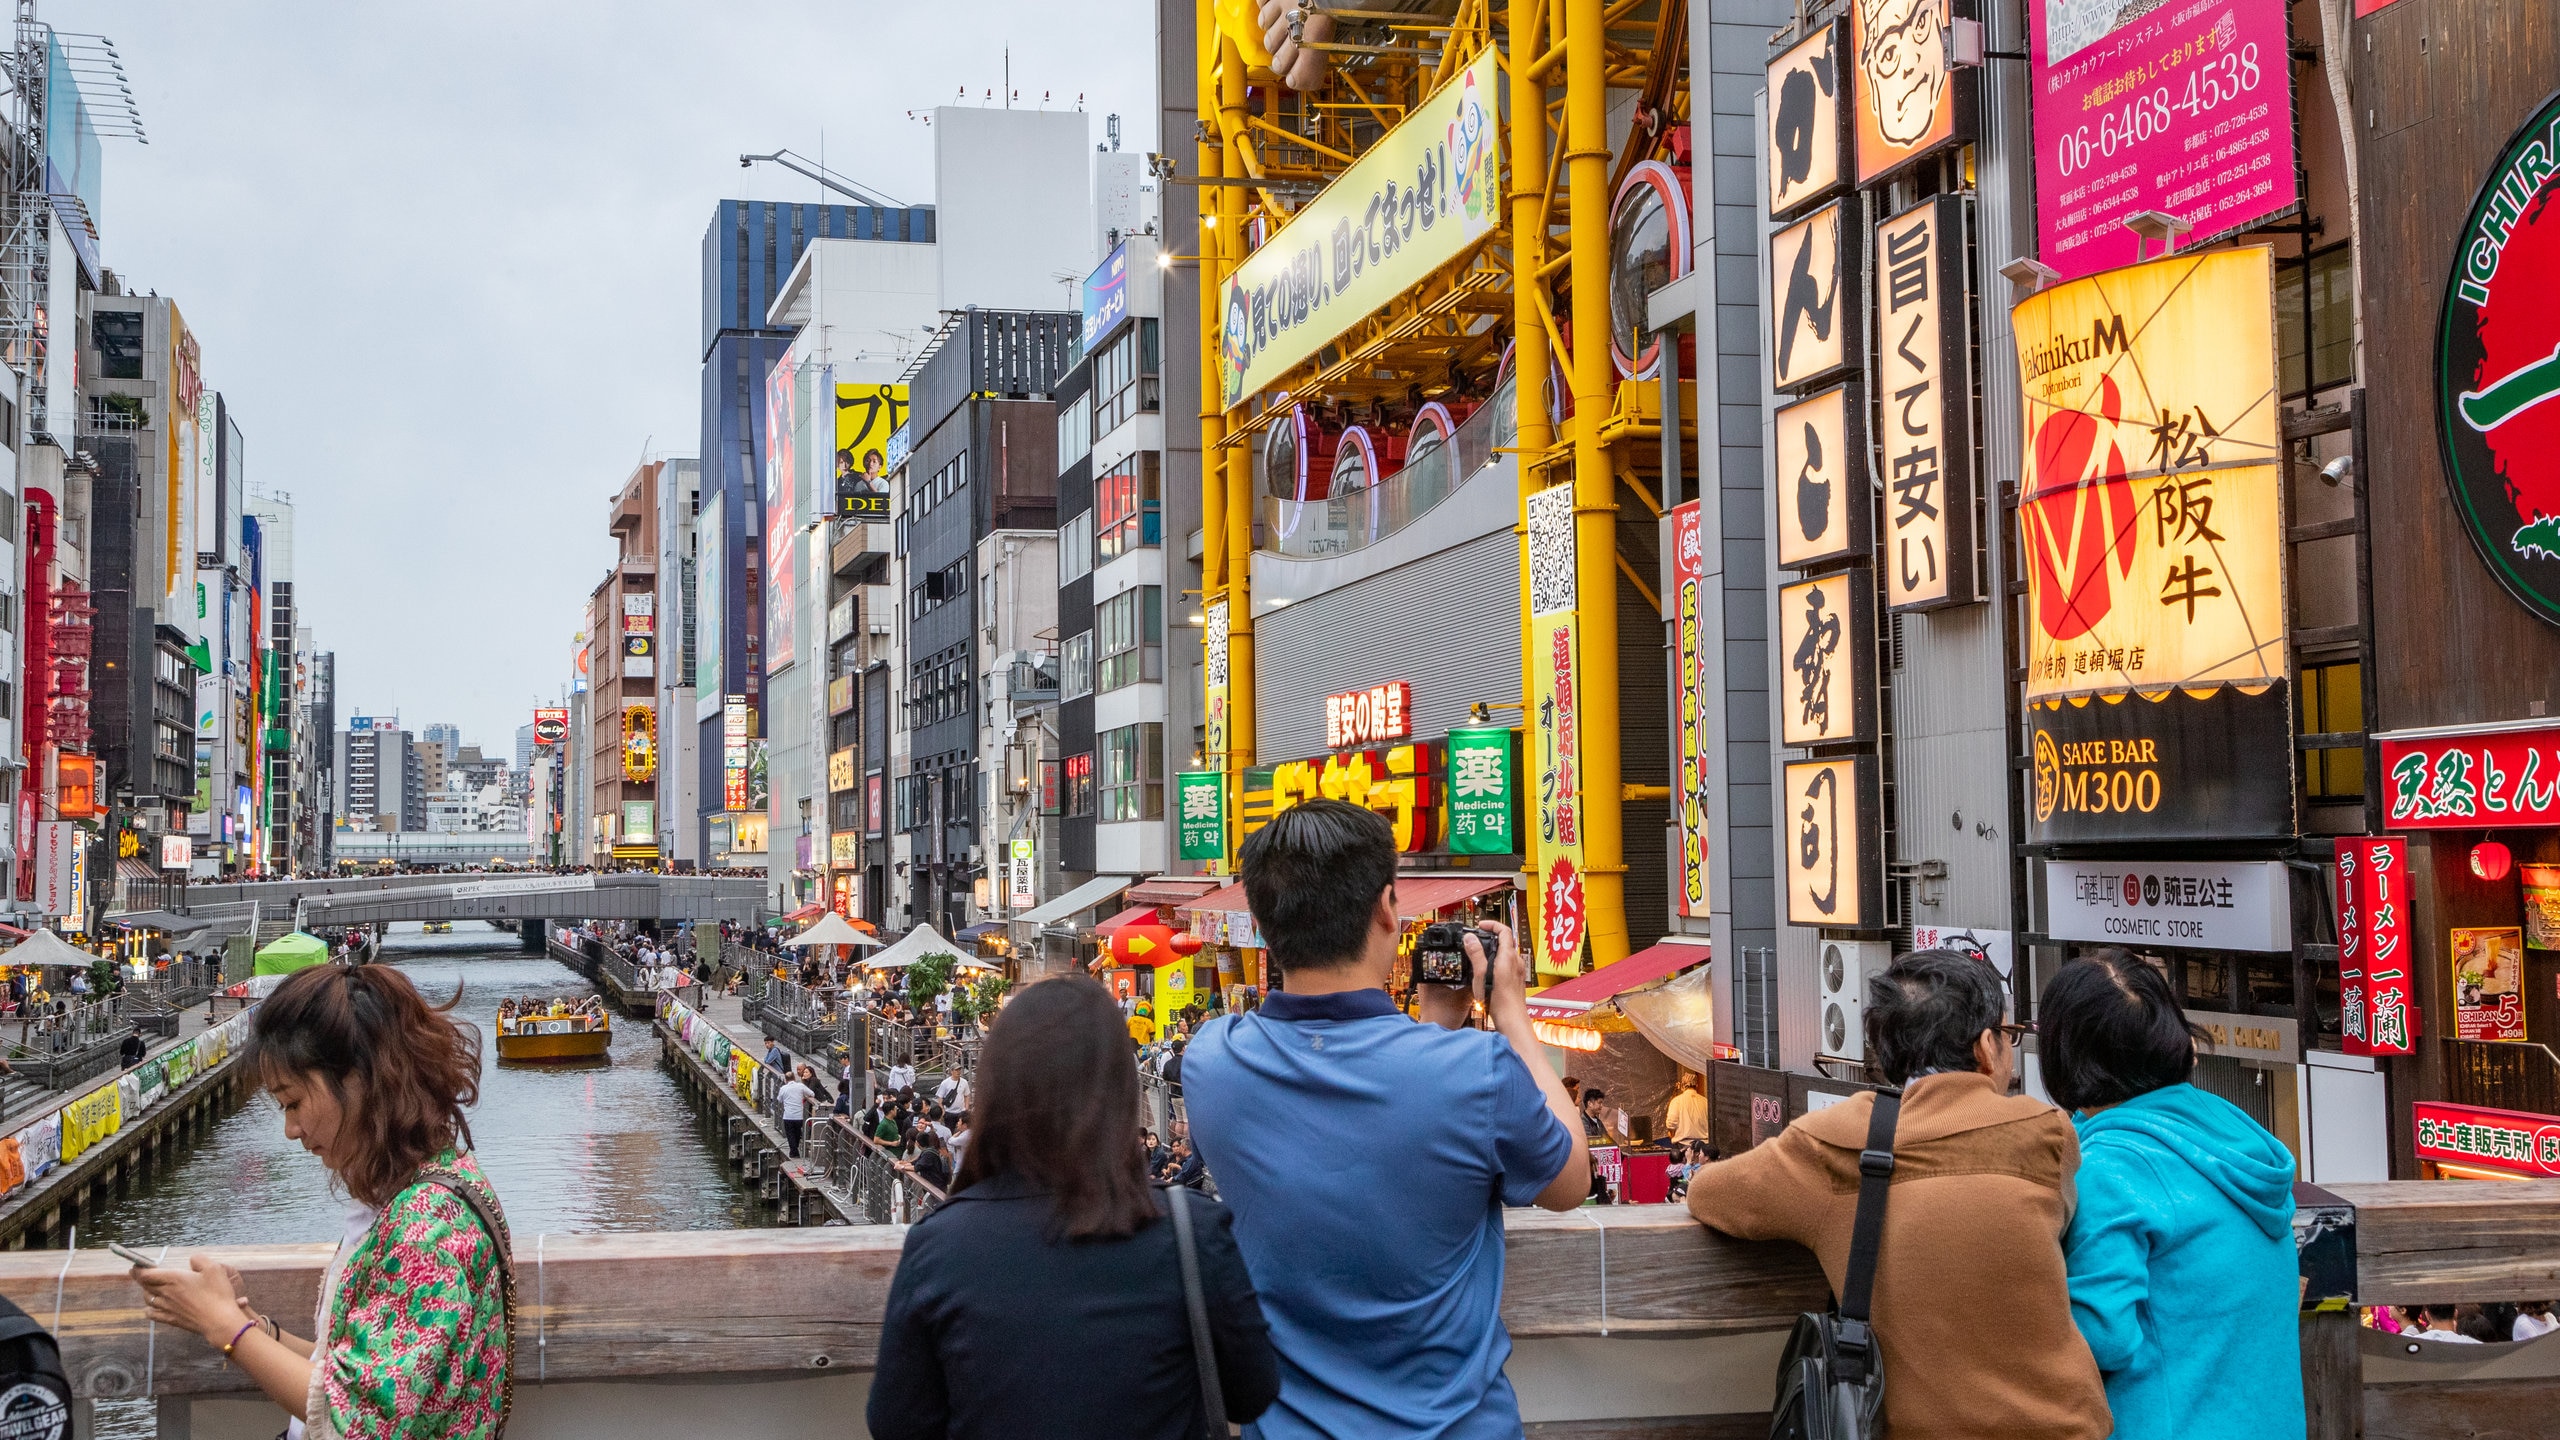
2184, 107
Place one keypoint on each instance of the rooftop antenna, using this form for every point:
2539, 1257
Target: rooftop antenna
1008, 77
1111, 127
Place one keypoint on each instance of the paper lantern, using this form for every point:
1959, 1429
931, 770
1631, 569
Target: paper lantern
1566, 1037
1185, 943
2490, 860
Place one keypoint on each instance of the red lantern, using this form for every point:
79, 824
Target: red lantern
1186, 943
2489, 860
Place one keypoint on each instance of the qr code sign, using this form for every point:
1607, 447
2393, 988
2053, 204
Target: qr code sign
1551, 550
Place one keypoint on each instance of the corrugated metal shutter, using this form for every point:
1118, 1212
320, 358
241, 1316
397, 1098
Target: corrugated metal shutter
1449, 623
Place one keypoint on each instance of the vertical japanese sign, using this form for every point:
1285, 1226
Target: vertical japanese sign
1808, 120
781, 513
1690, 701
1911, 100
2488, 983
1826, 639
1555, 724
1022, 884
733, 754
1832, 822
1923, 349
2376, 994
1213, 710
1823, 509
1202, 798
186, 384
1813, 296
1484, 799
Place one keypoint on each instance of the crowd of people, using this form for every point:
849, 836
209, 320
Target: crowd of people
588, 1007
2493, 1323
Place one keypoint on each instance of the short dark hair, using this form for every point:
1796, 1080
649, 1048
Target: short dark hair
2109, 1029
1926, 1010
1590, 1095
1312, 876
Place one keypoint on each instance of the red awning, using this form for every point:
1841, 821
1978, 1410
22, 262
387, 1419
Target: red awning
806, 913
1578, 995
13, 932
1420, 895
1103, 930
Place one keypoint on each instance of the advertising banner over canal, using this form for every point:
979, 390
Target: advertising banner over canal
2185, 109
2151, 513
1426, 191
2498, 368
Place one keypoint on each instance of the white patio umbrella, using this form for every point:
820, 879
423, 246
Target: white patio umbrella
831, 929
921, 941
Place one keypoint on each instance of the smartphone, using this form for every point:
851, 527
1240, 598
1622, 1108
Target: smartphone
127, 1252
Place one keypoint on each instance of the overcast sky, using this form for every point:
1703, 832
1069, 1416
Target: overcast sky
444, 261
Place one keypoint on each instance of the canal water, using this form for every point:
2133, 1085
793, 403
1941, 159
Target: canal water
613, 1147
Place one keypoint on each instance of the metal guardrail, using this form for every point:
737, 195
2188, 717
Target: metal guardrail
858, 1165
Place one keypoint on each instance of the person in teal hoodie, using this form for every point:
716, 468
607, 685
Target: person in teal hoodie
2180, 1255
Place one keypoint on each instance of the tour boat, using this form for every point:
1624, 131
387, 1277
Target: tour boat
580, 1036
439, 927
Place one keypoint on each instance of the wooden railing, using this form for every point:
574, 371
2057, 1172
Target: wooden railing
1656, 1322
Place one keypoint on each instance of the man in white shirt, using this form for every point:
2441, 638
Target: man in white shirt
2440, 1321
794, 1098
953, 1092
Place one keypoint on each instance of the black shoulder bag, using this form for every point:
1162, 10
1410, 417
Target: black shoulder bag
1831, 1377
1213, 1400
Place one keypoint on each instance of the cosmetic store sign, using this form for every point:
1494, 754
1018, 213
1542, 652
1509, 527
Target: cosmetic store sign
2194, 905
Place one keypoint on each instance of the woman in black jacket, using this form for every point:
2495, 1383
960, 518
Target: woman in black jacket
1046, 1297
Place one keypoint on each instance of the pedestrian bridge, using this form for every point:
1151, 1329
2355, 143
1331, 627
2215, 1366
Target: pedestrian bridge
380, 899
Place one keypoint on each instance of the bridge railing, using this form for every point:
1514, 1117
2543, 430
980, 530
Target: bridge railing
864, 1169
1629, 1320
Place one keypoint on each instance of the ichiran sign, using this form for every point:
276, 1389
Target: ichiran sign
2498, 367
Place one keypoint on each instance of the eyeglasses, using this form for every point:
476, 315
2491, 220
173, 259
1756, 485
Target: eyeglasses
2015, 1033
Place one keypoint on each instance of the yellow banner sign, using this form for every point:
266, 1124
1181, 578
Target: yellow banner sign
2150, 504
1430, 188
91, 1118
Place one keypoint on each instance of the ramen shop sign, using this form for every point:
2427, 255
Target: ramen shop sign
1366, 717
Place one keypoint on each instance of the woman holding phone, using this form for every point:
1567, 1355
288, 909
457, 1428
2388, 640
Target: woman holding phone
416, 1311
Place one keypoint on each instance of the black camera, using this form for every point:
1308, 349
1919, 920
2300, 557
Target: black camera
1441, 957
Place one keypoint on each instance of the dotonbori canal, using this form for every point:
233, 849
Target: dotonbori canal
604, 1146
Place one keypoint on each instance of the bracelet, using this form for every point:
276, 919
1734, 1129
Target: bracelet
235, 1339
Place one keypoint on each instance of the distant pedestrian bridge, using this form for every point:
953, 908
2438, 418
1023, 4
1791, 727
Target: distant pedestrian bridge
380, 899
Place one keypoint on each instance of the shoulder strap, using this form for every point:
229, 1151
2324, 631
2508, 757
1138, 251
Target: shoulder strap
1203, 1353
1875, 1178
483, 1205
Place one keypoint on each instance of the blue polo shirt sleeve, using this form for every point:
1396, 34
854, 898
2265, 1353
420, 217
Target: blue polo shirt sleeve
1530, 1144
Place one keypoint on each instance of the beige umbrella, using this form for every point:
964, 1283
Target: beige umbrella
831, 929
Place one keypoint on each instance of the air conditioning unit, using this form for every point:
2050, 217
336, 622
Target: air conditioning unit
1846, 967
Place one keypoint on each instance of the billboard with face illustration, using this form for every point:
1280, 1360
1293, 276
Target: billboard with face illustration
1910, 102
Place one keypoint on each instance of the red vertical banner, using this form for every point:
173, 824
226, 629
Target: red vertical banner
2351, 989
2391, 1020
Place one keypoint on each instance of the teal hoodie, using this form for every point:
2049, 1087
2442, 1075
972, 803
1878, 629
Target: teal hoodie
2182, 1268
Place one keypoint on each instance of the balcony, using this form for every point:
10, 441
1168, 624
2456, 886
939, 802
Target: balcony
1340, 524
859, 551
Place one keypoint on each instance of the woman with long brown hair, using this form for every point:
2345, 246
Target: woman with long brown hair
416, 1313
1046, 1297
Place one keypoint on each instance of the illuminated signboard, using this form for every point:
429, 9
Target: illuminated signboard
734, 727
2150, 511
1813, 296
1690, 701
2377, 996
2488, 983
1924, 349
2508, 1140
1829, 820
550, 727
1808, 120
866, 416
639, 743
1365, 717
1824, 514
1826, 641
1201, 796
1484, 792
1912, 100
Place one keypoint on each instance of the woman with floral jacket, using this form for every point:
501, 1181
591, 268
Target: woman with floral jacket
416, 1312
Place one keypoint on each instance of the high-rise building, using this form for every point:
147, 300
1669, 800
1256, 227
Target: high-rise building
446, 736
524, 747
378, 763
749, 250
622, 661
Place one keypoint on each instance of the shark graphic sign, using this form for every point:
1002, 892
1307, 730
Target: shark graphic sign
2498, 367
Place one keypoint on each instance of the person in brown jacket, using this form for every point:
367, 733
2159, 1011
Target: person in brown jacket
1971, 1310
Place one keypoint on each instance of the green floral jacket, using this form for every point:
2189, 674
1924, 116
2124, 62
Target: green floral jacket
418, 1342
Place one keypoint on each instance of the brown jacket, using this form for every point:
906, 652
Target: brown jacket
1971, 1307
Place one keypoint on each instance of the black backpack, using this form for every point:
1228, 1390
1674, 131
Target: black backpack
35, 1393
1831, 1375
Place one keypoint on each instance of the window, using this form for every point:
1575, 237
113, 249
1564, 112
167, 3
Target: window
119, 337
2333, 704
1076, 667
1075, 431
1075, 547
1079, 773
1129, 638
1124, 379
1129, 507
2315, 317
1132, 772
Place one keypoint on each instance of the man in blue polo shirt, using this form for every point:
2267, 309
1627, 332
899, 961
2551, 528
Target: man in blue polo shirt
1367, 1158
